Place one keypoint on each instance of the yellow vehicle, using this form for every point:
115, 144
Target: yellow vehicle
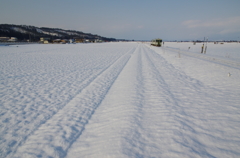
156, 42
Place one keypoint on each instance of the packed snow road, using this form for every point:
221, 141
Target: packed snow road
116, 100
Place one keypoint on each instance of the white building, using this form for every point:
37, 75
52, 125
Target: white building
13, 39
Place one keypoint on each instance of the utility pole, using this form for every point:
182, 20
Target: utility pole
206, 46
203, 45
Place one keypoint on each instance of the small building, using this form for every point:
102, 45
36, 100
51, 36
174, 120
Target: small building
46, 42
2, 39
13, 39
89, 41
71, 41
98, 41
44, 39
64, 41
57, 41
86, 41
78, 40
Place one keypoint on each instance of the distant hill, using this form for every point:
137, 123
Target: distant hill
33, 33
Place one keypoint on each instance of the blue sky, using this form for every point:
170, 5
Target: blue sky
131, 19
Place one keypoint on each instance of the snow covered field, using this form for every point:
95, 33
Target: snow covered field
120, 100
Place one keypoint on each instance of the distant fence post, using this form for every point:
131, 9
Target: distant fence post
206, 46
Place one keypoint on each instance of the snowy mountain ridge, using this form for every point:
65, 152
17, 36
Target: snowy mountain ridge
23, 32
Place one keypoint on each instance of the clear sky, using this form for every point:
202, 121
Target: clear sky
131, 19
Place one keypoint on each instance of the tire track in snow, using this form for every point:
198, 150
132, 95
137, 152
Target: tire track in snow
154, 120
38, 96
173, 115
164, 127
196, 114
136, 119
54, 137
40, 112
135, 139
104, 134
182, 128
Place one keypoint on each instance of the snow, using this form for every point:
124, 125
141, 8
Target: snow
48, 33
67, 32
19, 30
120, 100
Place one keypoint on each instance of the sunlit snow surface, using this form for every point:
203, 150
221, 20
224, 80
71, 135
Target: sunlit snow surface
120, 100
